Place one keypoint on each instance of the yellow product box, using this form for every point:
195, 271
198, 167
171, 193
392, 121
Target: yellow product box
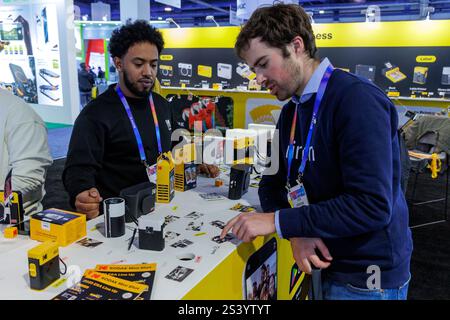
204, 71
63, 227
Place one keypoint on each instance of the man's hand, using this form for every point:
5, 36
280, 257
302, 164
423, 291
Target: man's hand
247, 226
211, 170
88, 202
304, 251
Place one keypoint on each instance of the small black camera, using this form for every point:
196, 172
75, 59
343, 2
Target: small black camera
139, 200
239, 180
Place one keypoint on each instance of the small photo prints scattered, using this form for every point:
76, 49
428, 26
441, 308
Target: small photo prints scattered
179, 273
242, 208
89, 243
213, 196
194, 215
181, 243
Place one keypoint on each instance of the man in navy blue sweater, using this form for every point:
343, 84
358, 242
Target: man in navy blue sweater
339, 203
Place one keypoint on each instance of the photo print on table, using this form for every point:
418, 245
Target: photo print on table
168, 219
89, 243
170, 235
228, 237
218, 223
194, 215
181, 243
242, 208
179, 273
194, 227
212, 196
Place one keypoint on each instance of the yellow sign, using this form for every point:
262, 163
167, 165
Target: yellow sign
166, 57
424, 33
426, 59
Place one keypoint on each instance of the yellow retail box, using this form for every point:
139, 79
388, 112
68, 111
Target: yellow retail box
61, 226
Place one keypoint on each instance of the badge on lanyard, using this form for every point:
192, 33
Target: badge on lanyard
151, 173
297, 196
149, 169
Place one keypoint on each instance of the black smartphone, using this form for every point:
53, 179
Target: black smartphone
260, 275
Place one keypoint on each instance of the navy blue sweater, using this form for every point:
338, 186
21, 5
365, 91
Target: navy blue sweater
352, 180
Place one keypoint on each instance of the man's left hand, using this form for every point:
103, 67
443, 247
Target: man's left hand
247, 226
210, 170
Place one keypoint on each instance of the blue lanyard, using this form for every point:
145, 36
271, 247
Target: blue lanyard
319, 97
135, 128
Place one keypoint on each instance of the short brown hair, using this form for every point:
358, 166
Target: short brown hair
278, 25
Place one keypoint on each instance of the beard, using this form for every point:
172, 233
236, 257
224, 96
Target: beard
132, 86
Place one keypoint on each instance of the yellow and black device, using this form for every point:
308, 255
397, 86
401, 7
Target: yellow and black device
185, 168
165, 178
243, 150
393, 73
43, 265
420, 75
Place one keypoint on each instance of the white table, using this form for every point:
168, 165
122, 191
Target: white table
14, 279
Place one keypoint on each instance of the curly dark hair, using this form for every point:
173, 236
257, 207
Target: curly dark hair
277, 25
131, 33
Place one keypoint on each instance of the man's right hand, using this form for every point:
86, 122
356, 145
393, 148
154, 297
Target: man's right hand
88, 202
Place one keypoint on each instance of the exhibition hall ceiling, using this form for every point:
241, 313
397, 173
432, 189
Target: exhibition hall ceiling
194, 12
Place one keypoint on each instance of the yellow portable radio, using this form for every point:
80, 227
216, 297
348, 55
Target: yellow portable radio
185, 168
43, 265
165, 178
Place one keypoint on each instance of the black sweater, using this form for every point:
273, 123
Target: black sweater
103, 151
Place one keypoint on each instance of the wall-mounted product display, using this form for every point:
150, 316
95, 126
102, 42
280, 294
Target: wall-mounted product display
30, 63
385, 53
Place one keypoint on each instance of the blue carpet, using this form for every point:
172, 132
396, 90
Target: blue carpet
58, 141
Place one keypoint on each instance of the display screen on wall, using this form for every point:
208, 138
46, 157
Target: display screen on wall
30, 61
407, 58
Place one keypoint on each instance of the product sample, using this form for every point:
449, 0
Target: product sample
366, 71
43, 264
446, 76
420, 75
393, 73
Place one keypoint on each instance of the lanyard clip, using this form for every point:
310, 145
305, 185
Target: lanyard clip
288, 186
300, 178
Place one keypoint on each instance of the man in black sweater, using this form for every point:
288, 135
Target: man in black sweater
106, 154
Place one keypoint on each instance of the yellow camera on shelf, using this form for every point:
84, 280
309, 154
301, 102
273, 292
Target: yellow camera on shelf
243, 149
43, 265
185, 168
165, 178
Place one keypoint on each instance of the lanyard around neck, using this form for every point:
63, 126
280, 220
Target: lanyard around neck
135, 128
318, 100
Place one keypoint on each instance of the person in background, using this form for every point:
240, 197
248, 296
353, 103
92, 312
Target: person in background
24, 149
337, 194
85, 83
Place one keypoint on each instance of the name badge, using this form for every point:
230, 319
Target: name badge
297, 196
151, 173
